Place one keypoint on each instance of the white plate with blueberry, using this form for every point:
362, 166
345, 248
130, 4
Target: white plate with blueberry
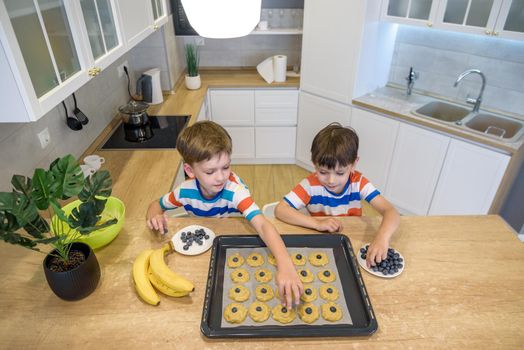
389, 268
193, 240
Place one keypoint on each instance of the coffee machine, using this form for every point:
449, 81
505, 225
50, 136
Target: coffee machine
148, 86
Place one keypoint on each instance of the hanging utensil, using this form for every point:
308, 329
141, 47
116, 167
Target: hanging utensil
82, 118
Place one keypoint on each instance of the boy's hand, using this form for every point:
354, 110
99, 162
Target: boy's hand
377, 251
155, 218
289, 286
328, 224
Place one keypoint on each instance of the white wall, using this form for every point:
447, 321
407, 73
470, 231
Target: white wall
440, 56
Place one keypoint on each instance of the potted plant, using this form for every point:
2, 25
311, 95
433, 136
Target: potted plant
192, 60
71, 268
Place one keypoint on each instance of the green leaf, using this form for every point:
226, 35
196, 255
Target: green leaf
22, 184
37, 228
15, 238
97, 185
68, 179
19, 206
8, 222
84, 217
42, 183
87, 230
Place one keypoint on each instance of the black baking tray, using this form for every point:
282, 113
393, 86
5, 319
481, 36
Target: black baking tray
360, 309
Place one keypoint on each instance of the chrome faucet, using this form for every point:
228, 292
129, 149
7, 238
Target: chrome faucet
412, 76
475, 102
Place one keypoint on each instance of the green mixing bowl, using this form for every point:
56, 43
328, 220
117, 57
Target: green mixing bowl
115, 208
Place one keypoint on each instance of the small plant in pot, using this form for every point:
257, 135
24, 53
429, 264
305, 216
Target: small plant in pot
192, 60
71, 268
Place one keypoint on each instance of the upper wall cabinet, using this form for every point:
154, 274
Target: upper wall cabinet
489, 17
416, 12
141, 18
159, 11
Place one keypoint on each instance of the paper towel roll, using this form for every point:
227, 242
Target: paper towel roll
279, 68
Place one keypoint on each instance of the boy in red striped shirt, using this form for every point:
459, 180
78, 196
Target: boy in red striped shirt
336, 189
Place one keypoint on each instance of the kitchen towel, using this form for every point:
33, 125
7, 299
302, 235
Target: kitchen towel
279, 68
265, 69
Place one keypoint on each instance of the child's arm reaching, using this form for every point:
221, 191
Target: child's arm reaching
155, 217
288, 282
378, 249
286, 213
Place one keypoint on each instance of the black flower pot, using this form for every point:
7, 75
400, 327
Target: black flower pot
77, 283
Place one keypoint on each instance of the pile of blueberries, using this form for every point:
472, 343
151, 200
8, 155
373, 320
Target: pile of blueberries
189, 237
391, 265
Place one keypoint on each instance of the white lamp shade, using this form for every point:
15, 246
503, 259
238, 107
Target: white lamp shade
221, 19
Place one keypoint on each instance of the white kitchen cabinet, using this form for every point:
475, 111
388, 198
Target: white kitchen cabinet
203, 113
138, 21
415, 168
231, 107
275, 142
377, 136
276, 107
469, 180
414, 12
159, 11
314, 114
243, 139
502, 18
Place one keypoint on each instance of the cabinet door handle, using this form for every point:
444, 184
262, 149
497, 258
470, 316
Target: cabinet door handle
488, 32
155, 26
429, 24
91, 72
495, 33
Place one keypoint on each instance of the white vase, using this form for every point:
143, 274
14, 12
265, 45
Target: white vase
193, 83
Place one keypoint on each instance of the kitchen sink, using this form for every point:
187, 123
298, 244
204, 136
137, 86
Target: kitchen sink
494, 125
442, 111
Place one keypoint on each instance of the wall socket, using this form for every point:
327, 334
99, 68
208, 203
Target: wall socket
44, 137
120, 69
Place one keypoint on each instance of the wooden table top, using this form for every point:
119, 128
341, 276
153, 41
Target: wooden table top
463, 286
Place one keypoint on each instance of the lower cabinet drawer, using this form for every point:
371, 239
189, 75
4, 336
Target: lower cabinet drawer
243, 141
275, 142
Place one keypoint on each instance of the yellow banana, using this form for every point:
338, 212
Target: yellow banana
142, 285
164, 274
164, 288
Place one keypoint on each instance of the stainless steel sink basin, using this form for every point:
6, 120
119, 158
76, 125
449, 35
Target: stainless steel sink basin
496, 126
442, 111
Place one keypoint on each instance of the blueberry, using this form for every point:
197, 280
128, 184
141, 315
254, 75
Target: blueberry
308, 310
396, 255
329, 290
263, 291
233, 310
374, 268
284, 309
319, 256
303, 273
333, 309
299, 256
384, 272
254, 258
383, 264
363, 250
186, 247
200, 242
363, 256
400, 266
262, 274
235, 259
258, 308
239, 274
400, 260
237, 290
183, 239
308, 291
395, 270
206, 236
327, 273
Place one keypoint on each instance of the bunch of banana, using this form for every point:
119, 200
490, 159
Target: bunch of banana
150, 269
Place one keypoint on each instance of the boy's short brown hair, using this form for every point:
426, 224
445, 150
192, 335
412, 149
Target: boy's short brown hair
202, 141
334, 145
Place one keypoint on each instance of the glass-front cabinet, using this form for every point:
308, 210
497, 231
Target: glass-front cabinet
416, 12
159, 11
504, 18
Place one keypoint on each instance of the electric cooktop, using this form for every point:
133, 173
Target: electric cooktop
159, 132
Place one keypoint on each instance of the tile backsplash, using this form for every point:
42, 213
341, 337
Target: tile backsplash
440, 56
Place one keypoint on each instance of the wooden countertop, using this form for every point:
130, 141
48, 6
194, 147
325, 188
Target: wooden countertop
462, 287
140, 176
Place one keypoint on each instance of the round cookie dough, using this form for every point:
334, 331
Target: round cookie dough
235, 313
272, 260
263, 275
331, 312
305, 276
235, 260
326, 276
298, 259
259, 312
240, 275
308, 312
264, 292
255, 259
328, 292
239, 293
282, 314
318, 259
309, 295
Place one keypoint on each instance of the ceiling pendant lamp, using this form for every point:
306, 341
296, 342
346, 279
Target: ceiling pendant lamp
219, 19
